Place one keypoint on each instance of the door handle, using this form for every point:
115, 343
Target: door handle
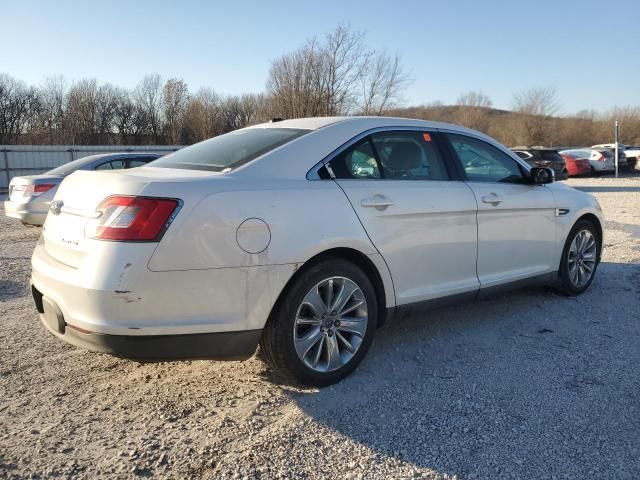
494, 199
377, 201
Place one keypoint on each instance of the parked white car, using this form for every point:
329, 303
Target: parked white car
632, 152
623, 159
303, 236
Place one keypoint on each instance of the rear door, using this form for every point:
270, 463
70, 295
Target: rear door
421, 220
516, 220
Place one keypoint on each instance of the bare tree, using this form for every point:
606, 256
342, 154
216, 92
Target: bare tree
53, 95
123, 117
345, 59
473, 110
82, 111
535, 108
203, 117
335, 77
175, 98
629, 118
298, 82
382, 83
17, 106
106, 107
148, 97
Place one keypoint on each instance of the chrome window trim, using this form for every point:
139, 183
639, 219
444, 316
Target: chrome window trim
313, 173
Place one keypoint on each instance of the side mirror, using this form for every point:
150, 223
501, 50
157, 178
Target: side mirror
541, 175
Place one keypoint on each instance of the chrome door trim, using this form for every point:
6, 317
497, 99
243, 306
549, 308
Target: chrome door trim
313, 174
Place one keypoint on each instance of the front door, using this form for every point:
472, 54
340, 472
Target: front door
516, 220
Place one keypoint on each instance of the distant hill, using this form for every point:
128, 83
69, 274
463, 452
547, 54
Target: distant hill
513, 128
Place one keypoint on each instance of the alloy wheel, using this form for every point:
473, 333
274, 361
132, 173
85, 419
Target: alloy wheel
582, 258
330, 324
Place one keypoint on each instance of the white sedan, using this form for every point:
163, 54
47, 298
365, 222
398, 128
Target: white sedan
302, 236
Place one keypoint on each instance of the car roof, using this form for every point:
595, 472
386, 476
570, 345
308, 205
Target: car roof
364, 122
326, 135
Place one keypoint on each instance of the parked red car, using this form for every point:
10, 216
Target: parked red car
576, 166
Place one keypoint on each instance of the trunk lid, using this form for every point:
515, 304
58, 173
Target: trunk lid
74, 205
80, 194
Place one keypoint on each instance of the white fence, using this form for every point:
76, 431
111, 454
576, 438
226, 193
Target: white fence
33, 159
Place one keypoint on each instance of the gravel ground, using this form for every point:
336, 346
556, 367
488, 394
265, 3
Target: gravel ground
525, 385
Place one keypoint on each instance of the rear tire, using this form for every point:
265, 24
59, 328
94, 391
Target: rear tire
580, 259
323, 325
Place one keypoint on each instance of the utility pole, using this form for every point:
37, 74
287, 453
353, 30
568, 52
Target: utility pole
616, 137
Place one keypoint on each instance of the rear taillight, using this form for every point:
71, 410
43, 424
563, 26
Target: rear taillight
32, 190
134, 219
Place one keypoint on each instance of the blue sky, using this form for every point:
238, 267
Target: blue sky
583, 49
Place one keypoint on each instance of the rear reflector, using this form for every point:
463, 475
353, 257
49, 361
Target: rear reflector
133, 219
32, 190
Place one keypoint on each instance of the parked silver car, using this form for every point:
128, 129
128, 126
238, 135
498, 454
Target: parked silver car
30, 195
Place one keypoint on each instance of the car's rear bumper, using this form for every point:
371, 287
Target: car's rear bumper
25, 212
602, 166
579, 170
235, 345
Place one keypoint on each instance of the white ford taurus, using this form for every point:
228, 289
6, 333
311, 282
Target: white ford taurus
303, 236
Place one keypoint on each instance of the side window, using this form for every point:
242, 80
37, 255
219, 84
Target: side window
408, 155
104, 166
483, 162
113, 165
133, 163
357, 161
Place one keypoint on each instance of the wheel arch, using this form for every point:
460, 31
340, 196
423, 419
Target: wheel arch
357, 258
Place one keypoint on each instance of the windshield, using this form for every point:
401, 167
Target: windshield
229, 151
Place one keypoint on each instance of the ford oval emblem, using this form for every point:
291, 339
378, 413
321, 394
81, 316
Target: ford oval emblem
56, 207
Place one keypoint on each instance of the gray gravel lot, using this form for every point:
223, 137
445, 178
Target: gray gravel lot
524, 385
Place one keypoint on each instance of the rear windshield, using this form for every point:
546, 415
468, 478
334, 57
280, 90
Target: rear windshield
72, 166
229, 151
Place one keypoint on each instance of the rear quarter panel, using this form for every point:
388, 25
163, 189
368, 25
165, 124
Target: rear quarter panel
304, 218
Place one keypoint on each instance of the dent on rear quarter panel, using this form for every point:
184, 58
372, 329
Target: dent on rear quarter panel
304, 218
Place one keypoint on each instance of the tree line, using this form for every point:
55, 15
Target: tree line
338, 74
533, 120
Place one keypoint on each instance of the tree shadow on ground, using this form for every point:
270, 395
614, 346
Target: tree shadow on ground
526, 384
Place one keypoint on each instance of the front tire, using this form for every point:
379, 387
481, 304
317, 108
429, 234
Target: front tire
580, 258
323, 325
